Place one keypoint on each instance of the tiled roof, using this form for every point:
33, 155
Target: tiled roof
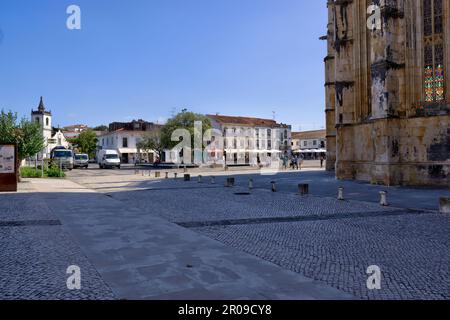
305, 135
248, 121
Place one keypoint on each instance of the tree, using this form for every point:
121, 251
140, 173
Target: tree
183, 120
27, 135
152, 142
101, 128
86, 142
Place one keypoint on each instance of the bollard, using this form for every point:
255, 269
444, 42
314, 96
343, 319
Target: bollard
175, 175
213, 180
303, 189
444, 205
274, 187
383, 198
341, 193
230, 182
200, 179
250, 184
187, 177
167, 175
184, 169
157, 174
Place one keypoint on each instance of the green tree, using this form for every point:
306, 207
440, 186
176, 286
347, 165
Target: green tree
152, 142
86, 142
183, 120
27, 135
101, 128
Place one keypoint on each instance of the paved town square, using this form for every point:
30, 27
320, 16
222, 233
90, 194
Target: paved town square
135, 236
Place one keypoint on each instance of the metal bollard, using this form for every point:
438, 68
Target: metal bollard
341, 193
303, 189
250, 184
230, 182
175, 175
274, 187
444, 205
213, 180
383, 198
200, 179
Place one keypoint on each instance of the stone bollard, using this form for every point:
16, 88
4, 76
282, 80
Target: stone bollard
250, 184
303, 189
230, 182
167, 175
274, 186
213, 180
444, 205
200, 179
383, 198
341, 193
157, 174
187, 177
175, 175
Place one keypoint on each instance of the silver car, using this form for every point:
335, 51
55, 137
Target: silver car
80, 160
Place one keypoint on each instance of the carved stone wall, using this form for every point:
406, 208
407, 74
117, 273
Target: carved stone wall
381, 127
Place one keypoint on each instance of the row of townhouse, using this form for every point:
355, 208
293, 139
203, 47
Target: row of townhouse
243, 140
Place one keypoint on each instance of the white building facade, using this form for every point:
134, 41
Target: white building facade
124, 138
249, 141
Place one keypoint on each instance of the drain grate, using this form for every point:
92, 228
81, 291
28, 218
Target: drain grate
30, 223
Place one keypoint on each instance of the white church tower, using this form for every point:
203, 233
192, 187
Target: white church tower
43, 118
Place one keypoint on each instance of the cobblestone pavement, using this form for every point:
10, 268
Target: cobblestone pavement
413, 256
319, 237
35, 252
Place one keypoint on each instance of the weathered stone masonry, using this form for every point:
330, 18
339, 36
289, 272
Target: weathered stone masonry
387, 92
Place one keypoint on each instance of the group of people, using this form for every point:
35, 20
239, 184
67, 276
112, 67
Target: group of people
295, 161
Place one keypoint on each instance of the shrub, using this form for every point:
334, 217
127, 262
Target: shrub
28, 172
54, 172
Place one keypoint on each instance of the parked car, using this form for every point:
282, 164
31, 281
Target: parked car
108, 159
81, 160
62, 157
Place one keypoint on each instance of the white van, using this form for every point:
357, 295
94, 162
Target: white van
108, 159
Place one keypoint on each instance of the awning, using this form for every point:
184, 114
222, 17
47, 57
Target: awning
311, 151
127, 150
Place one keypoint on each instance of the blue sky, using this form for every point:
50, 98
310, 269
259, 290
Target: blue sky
150, 58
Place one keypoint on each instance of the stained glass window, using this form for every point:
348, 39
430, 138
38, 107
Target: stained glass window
434, 73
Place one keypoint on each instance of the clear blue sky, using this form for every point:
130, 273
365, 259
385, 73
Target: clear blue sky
149, 58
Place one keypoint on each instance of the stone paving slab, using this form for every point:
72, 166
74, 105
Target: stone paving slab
142, 256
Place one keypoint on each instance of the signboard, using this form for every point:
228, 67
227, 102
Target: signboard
8, 167
7, 159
